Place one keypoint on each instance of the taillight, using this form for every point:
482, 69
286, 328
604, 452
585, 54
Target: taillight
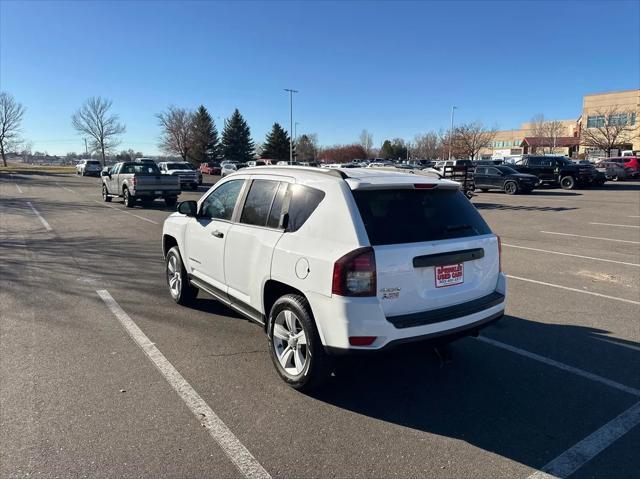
499, 252
133, 181
355, 273
424, 186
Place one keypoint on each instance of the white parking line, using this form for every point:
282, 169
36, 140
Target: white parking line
572, 255
575, 457
609, 224
126, 212
46, 225
559, 365
19, 189
233, 448
590, 237
575, 290
634, 216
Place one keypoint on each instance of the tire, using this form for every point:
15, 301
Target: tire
105, 194
180, 289
511, 187
129, 200
302, 365
171, 202
568, 183
616, 178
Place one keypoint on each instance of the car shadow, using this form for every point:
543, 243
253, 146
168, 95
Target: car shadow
621, 186
505, 207
490, 398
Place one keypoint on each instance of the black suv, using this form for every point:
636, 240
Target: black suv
557, 170
503, 178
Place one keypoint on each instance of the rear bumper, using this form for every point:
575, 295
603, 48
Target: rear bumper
153, 194
339, 318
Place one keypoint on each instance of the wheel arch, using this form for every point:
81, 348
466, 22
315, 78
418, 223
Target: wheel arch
273, 290
168, 242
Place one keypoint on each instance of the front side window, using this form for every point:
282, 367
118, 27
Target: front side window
222, 201
258, 204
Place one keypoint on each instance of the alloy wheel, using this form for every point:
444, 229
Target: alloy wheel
174, 276
290, 343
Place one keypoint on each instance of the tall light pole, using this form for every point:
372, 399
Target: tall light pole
291, 92
453, 109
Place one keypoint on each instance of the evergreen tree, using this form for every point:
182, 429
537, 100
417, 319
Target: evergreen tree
205, 145
386, 151
276, 145
236, 139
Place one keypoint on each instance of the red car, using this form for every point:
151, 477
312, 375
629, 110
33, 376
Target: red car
211, 168
631, 164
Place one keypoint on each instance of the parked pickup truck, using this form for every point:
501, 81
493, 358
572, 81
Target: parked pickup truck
132, 180
188, 175
558, 170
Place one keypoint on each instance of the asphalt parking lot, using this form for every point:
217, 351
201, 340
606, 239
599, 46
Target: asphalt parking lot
552, 390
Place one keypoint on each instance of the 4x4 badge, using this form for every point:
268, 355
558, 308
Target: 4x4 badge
390, 293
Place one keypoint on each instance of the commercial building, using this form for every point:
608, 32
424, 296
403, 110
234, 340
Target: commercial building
621, 107
618, 106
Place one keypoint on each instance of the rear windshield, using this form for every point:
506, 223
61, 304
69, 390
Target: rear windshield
178, 166
93, 162
141, 168
413, 216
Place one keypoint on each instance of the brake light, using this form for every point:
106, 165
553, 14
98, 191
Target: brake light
361, 340
355, 273
499, 253
134, 180
424, 186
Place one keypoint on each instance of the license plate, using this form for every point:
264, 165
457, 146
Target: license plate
449, 275
158, 192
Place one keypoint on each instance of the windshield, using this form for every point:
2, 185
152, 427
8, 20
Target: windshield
413, 216
93, 162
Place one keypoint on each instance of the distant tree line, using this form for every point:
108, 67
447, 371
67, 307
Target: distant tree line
194, 137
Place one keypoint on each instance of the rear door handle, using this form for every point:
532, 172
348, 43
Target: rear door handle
217, 234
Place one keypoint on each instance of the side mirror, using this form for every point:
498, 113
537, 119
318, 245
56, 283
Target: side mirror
105, 173
188, 208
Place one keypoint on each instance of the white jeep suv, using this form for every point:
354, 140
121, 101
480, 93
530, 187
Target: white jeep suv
333, 261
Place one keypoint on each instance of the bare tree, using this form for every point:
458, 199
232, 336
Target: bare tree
11, 113
611, 128
307, 147
101, 128
177, 126
470, 138
547, 131
426, 145
366, 141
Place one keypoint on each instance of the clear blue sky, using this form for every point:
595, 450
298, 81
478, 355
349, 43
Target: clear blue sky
393, 68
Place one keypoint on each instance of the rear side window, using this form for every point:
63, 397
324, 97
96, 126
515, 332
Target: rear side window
304, 201
258, 203
413, 216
